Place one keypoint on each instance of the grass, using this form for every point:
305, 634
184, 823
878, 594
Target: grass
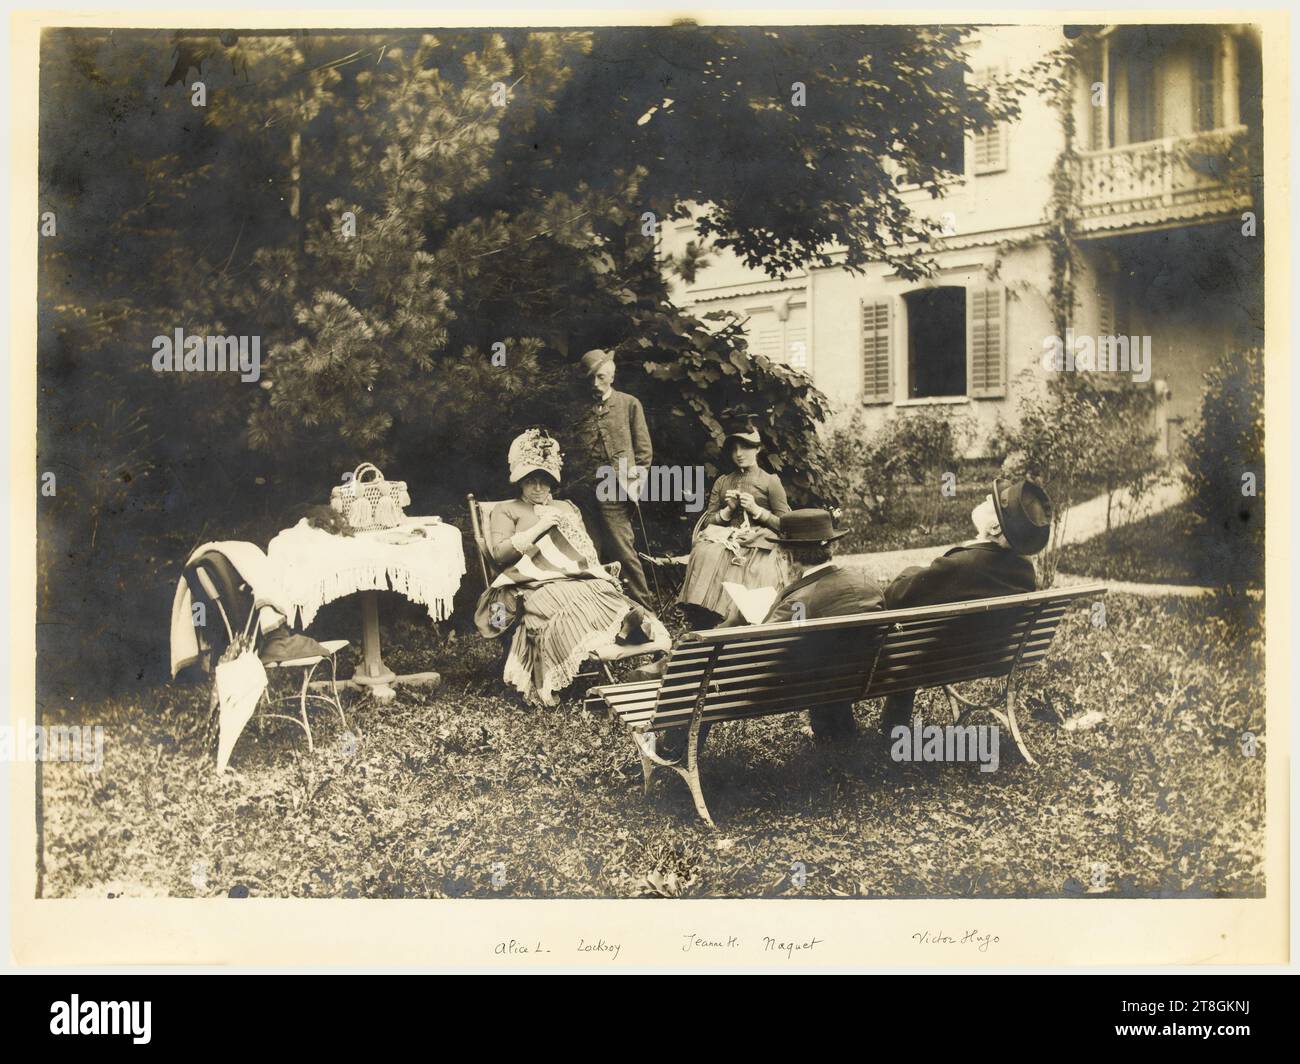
1170, 547
444, 790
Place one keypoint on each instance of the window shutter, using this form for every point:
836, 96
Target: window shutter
1207, 79
991, 145
991, 150
986, 346
1105, 310
1096, 114
876, 352
796, 347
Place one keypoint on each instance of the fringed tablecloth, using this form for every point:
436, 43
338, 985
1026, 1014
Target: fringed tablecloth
422, 561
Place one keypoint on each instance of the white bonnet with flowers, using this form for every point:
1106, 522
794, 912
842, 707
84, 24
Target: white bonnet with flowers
531, 450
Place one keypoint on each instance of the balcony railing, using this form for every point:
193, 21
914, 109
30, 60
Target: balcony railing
1169, 180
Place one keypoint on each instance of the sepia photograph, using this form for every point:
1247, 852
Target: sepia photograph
674, 460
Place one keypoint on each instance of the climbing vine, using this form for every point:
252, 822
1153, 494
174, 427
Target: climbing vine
1059, 231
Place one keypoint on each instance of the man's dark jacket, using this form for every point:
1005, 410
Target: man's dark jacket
835, 591
972, 571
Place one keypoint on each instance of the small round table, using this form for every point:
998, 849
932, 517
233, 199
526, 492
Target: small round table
422, 559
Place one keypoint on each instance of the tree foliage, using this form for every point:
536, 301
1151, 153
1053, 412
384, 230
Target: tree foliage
427, 230
1225, 466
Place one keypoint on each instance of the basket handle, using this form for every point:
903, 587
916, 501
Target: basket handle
366, 467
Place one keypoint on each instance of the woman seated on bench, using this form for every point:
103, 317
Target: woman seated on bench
565, 603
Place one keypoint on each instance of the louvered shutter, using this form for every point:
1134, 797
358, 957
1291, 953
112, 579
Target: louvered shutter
877, 352
986, 347
796, 345
1105, 310
991, 145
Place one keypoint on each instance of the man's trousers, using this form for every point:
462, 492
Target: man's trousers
618, 544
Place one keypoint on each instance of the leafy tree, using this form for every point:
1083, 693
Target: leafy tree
426, 230
1225, 467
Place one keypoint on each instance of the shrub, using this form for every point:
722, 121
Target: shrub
1077, 436
929, 442
1227, 445
918, 447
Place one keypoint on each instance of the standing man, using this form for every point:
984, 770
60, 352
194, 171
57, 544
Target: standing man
615, 429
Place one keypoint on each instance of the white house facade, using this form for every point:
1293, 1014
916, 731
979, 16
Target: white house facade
1159, 208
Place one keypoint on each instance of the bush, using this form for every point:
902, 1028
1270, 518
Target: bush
869, 474
918, 447
1225, 465
1076, 437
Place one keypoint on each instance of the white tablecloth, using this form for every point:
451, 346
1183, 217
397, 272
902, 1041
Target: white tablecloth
420, 560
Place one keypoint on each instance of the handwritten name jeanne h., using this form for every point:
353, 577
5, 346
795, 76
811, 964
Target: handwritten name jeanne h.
700, 942
970, 938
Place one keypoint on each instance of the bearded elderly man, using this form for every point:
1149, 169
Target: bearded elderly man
1013, 522
615, 431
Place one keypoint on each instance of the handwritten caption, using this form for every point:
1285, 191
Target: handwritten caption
691, 942
969, 938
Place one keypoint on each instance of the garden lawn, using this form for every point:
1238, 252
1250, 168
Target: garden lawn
1170, 547
445, 788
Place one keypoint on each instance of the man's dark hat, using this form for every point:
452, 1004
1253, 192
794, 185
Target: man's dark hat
741, 427
808, 526
1025, 514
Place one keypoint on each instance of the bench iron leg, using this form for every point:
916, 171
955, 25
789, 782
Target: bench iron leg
1005, 715
691, 772
644, 742
953, 704
1011, 721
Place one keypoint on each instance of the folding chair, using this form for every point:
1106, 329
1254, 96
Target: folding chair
212, 578
480, 513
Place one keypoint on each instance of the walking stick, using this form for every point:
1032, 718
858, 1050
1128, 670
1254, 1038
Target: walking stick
636, 505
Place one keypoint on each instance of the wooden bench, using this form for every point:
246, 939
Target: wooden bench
739, 673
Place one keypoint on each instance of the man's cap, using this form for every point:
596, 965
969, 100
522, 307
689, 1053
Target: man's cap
594, 359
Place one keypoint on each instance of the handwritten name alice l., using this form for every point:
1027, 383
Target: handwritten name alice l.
514, 946
970, 938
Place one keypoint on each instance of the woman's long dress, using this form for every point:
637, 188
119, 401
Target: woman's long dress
563, 620
739, 550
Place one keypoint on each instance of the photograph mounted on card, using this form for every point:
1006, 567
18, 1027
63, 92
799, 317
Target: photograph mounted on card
610, 460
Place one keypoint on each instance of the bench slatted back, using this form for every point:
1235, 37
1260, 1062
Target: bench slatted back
764, 669
752, 677
947, 650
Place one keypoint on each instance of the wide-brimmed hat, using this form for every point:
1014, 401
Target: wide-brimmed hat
594, 359
534, 449
741, 427
808, 526
1025, 514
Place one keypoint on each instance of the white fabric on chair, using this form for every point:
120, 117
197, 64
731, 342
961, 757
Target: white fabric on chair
255, 570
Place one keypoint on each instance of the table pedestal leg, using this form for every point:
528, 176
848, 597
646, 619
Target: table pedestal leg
373, 673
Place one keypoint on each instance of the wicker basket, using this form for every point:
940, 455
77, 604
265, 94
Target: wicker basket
370, 502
